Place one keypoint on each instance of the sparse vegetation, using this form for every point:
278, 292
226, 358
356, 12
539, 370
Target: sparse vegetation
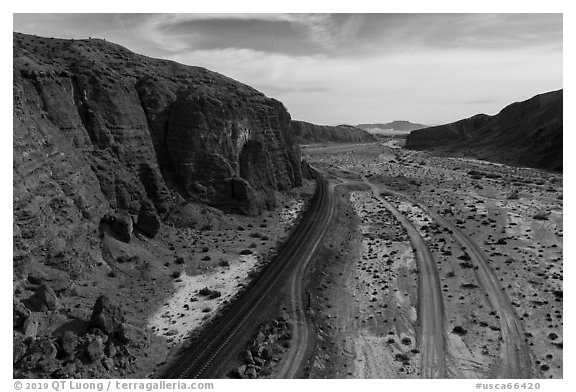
211, 294
459, 330
541, 215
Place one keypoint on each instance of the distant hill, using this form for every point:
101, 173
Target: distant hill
527, 133
307, 133
391, 128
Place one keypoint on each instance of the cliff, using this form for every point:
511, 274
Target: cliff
306, 133
116, 158
527, 133
117, 128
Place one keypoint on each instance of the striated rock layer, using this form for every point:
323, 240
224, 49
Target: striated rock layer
307, 133
527, 133
116, 157
98, 128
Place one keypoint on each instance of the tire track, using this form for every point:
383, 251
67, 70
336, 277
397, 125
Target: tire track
516, 357
430, 301
301, 331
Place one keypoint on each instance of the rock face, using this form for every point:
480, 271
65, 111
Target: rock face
307, 133
527, 133
99, 129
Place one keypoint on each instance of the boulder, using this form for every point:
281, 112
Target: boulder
248, 358
95, 349
127, 333
20, 313
119, 225
259, 361
257, 349
37, 277
240, 370
110, 349
270, 351
107, 316
251, 372
68, 343
32, 325
148, 220
108, 364
47, 296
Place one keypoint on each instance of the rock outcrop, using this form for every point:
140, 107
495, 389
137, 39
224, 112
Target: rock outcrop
527, 133
307, 133
107, 316
106, 139
100, 129
115, 155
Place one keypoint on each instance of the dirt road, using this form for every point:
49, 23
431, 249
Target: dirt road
430, 306
516, 354
302, 331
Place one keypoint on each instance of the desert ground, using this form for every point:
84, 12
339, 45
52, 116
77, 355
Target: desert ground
495, 235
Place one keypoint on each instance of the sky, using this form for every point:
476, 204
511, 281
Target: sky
348, 68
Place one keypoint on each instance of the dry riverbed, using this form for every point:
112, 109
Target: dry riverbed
367, 294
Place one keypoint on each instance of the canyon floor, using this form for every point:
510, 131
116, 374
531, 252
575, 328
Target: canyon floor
494, 233
429, 267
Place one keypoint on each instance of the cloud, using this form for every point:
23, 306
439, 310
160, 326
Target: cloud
427, 68
428, 86
177, 32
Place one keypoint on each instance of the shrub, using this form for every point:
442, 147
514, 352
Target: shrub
246, 252
458, 330
176, 274
205, 291
514, 195
541, 215
211, 294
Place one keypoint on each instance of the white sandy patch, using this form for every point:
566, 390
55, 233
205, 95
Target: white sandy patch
289, 214
175, 322
392, 144
416, 215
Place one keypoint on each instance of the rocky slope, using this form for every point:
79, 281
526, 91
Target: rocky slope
399, 125
527, 133
110, 149
307, 133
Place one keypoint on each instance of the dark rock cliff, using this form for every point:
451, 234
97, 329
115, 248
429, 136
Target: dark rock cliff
307, 133
527, 133
118, 163
100, 128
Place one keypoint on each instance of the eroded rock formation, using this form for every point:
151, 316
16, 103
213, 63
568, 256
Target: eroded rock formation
527, 133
